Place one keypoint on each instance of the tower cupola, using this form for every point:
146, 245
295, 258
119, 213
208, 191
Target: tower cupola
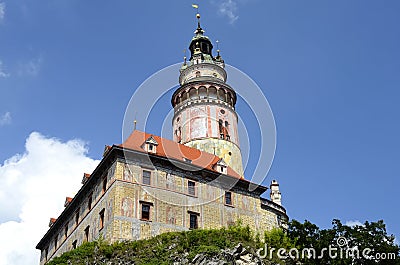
200, 44
204, 104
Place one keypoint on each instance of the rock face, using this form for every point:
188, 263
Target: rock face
238, 255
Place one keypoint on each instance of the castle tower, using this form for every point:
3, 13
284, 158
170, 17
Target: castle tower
275, 194
204, 104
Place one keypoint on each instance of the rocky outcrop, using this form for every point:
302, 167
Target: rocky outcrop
239, 255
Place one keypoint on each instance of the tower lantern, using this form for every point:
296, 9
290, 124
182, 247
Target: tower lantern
204, 104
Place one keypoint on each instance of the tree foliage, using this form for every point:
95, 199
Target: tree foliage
169, 247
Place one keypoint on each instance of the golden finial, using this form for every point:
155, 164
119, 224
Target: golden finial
199, 30
134, 122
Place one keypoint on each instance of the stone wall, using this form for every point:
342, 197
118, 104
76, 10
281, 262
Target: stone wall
170, 207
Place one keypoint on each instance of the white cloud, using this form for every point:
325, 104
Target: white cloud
31, 67
229, 9
5, 118
3, 73
2, 11
33, 187
353, 223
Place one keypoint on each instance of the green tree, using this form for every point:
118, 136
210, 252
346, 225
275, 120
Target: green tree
347, 243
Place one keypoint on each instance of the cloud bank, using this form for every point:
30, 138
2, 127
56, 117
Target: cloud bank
5, 119
33, 187
229, 9
2, 11
3, 73
352, 223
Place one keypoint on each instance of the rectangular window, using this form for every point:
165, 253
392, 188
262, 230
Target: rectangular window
74, 244
90, 201
101, 219
104, 185
145, 212
46, 253
87, 233
228, 197
193, 221
146, 177
77, 217
192, 188
66, 231
55, 243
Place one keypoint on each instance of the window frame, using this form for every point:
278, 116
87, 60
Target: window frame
147, 177
55, 243
90, 201
104, 185
191, 188
87, 233
144, 204
196, 220
101, 219
66, 231
77, 217
230, 203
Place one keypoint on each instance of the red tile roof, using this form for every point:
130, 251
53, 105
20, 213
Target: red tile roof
174, 150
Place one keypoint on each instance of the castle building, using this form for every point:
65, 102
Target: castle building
149, 185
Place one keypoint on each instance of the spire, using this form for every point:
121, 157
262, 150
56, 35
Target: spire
199, 30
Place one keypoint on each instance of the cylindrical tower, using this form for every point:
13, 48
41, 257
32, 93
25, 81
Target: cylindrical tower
204, 105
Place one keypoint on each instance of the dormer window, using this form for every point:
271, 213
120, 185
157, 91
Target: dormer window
150, 145
221, 167
68, 200
52, 221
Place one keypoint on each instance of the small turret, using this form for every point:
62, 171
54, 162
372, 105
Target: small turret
275, 194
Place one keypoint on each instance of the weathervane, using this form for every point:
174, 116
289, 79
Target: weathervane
199, 29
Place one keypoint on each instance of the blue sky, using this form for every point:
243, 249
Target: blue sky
329, 69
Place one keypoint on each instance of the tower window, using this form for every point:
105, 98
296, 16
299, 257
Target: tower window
193, 221
145, 212
192, 188
74, 244
146, 177
228, 198
101, 214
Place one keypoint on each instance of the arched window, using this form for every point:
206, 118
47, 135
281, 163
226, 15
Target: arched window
212, 92
193, 93
202, 92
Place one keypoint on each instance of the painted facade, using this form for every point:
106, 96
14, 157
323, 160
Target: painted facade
118, 194
149, 185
